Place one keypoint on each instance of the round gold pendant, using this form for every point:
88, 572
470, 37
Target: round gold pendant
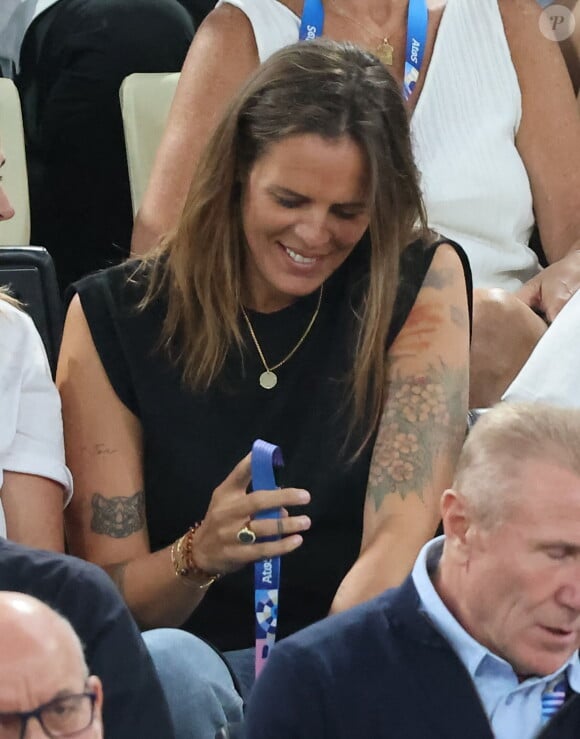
268, 380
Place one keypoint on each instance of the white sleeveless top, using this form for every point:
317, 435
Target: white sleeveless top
475, 185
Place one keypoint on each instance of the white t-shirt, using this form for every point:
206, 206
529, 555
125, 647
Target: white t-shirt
15, 17
31, 438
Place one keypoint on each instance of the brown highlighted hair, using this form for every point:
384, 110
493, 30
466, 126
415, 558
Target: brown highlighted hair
323, 88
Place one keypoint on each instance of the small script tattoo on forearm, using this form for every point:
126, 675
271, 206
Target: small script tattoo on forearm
118, 517
98, 449
104, 449
424, 416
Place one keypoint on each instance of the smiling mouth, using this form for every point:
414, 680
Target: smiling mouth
298, 258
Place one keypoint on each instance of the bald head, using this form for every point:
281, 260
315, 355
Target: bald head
41, 660
29, 629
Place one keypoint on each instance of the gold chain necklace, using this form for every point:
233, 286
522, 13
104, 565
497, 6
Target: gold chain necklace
384, 51
268, 379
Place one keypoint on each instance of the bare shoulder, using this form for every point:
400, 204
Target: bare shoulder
222, 54
446, 269
76, 329
79, 365
76, 326
224, 29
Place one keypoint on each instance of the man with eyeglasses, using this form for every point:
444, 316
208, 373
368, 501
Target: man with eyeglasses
134, 705
45, 686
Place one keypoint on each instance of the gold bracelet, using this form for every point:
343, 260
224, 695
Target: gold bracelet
184, 564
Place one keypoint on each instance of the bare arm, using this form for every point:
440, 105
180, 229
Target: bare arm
33, 510
570, 45
549, 143
420, 434
221, 57
106, 521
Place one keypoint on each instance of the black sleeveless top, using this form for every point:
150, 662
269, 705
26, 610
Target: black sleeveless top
193, 440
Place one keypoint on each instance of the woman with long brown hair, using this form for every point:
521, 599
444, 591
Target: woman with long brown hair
492, 162
301, 300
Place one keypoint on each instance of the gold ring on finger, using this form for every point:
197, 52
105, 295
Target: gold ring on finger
246, 536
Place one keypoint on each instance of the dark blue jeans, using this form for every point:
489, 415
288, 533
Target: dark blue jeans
198, 686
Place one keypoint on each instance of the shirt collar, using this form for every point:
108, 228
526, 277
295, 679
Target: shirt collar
471, 652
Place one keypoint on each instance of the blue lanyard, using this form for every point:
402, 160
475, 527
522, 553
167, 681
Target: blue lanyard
312, 21
266, 572
312, 24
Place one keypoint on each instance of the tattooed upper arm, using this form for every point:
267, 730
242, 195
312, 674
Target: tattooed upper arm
423, 422
118, 517
423, 418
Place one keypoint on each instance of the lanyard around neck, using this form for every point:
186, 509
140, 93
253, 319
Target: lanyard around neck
312, 25
267, 571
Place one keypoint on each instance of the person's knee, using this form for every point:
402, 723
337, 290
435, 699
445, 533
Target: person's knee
181, 652
196, 681
505, 332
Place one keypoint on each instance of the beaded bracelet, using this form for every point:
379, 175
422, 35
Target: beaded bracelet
183, 561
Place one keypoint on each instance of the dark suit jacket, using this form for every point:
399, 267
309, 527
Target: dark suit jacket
378, 670
134, 705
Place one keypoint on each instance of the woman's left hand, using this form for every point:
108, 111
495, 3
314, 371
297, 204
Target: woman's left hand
552, 288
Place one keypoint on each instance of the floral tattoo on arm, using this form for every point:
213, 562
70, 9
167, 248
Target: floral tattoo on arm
424, 417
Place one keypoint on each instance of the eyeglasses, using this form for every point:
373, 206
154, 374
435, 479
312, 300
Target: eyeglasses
61, 717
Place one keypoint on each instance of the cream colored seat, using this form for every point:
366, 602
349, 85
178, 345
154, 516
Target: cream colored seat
16, 231
145, 102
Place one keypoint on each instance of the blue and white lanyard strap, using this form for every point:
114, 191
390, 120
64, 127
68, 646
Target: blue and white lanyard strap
267, 571
312, 25
312, 21
417, 22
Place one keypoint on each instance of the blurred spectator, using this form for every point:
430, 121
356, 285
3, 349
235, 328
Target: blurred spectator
34, 481
134, 703
69, 58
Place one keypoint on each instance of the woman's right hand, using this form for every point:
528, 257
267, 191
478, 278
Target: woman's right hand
216, 548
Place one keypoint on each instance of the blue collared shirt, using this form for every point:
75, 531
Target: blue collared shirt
514, 708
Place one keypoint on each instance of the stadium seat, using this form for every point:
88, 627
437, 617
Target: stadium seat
145, 102
29, 274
